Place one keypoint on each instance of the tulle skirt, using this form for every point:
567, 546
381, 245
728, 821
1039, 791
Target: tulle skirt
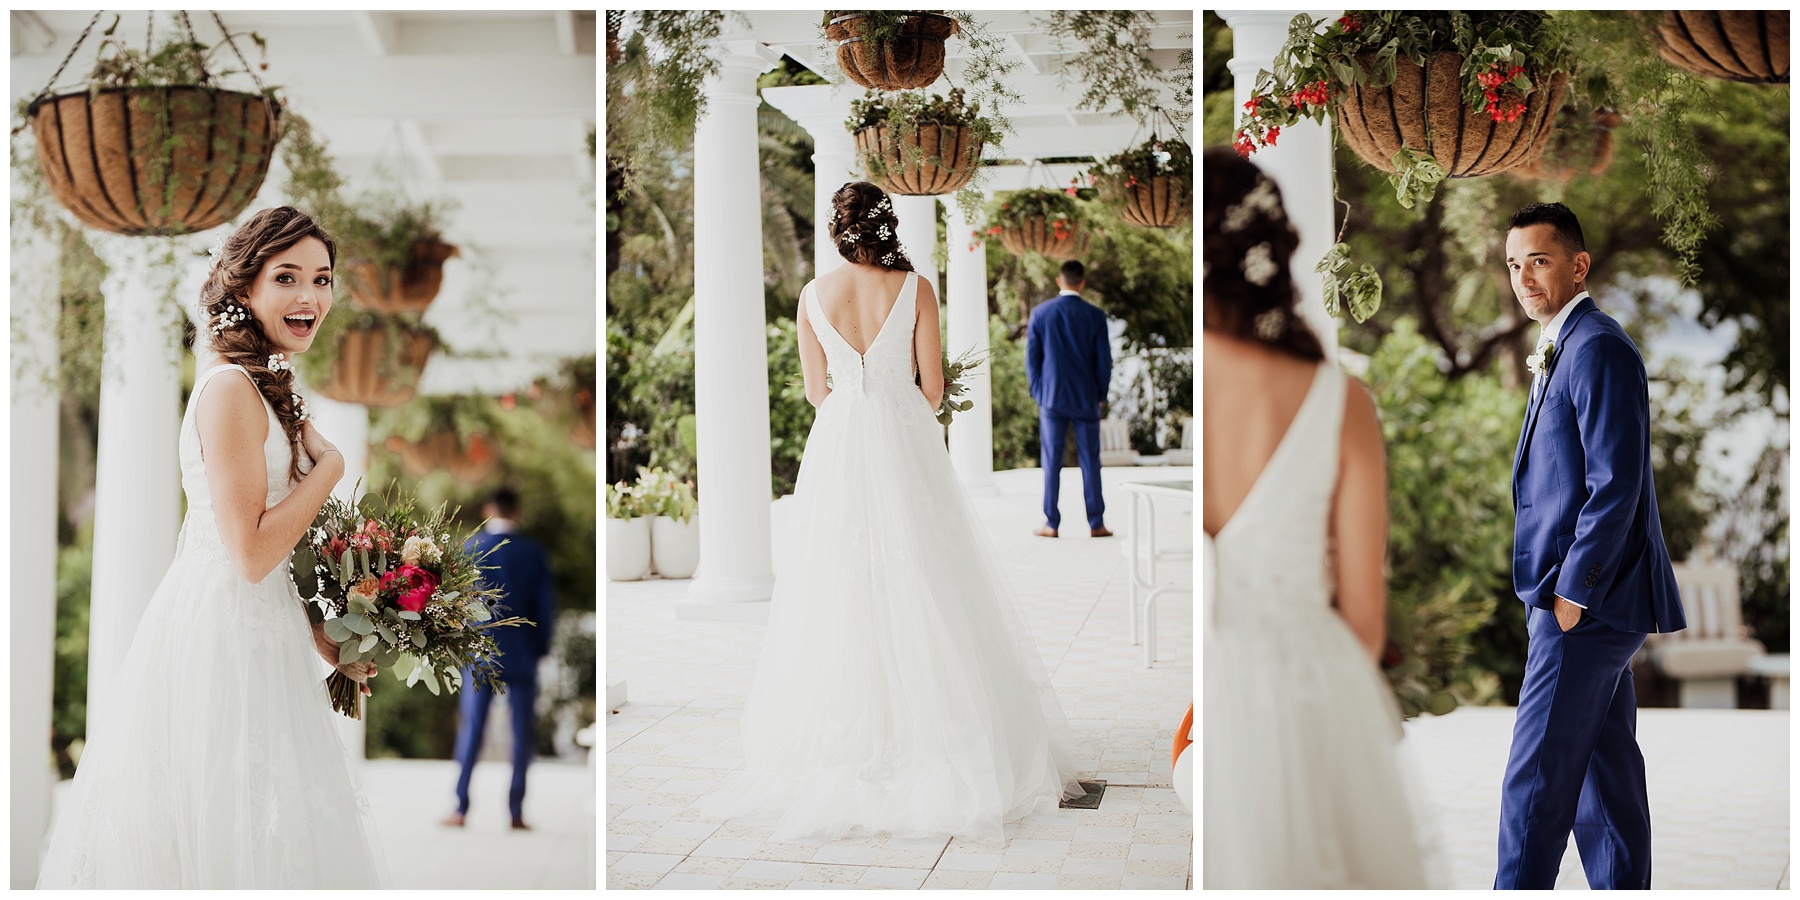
1306, 780
899, 689
221, 766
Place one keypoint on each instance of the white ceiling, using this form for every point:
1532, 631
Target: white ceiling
1046, 120
488, 109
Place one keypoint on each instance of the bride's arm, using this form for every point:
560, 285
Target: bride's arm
812, 353
1360, 520
233, 425
928, 346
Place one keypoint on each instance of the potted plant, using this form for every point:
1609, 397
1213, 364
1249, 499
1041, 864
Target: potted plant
915, 144
151, 144
1152, 183
394, 254
890, 50
1736, 45
1423, 95
444, 433
1038, 220
369, 359
627, 533
674, 523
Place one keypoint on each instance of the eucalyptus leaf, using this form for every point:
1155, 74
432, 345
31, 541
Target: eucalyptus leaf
408, 615
405, 664
347, 653
368, 642
337, 630
359, 623
431, 681
418, 639
480, 611
344, 568
364, 556
372, 506
387, 634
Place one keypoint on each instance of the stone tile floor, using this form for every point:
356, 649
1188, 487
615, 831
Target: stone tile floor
1718, 782
676, 737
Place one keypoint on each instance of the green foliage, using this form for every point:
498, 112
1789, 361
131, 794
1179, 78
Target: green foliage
378, 226
176, 62
626, 501
315, 364
957, 373
790, 413
1172, 157
1015, 413
68, 705
1114, 63
904, 111
1756, 536
654, 78
1449, 446
1358, 292
461, 415
661, 494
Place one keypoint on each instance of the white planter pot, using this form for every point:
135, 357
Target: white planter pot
675, 546
627, 549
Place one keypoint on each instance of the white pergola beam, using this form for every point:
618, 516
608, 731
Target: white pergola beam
380, 31
565, 31
30, 34
414, 145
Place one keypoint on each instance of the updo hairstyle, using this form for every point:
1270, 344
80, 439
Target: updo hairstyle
864, 228
1249, 289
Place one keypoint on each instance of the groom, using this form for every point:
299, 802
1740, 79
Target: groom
1068, 365
1589, 562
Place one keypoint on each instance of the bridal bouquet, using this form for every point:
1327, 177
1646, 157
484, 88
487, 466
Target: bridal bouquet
955, 384
394, 588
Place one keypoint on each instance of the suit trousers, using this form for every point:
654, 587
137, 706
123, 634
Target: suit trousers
1052, 429
521, 696
1575, 762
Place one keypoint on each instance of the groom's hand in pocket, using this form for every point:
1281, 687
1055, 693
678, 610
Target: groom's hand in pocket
1568, 615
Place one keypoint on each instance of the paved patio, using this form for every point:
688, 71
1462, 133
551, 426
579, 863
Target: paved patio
1718, 783
676, 737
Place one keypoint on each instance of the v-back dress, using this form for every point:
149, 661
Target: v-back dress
1303, 781
221, 766
899, 689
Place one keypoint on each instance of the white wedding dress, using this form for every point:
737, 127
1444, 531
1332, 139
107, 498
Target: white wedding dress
899, 689
221, 766
1304, 785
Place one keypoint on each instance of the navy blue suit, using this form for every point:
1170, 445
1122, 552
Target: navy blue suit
521, 572
1586, 529
1068, 366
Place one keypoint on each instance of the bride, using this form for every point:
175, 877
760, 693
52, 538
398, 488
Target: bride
899, 690
222, 767
1303, 785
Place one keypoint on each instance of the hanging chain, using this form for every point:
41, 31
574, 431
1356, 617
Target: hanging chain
240, 55
65, 63
194, 42
149, 33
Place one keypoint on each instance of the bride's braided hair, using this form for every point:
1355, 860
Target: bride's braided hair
865, 229
1249, 288
224, 300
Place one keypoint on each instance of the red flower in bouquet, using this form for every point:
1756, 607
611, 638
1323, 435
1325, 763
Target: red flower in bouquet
416, 586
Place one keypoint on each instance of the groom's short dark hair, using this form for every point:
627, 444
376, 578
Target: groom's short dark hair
1073, 272
1556, 215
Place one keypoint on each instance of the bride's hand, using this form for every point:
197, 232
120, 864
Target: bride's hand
314, 443
359, 672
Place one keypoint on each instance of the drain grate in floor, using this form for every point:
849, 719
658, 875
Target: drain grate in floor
1091, 801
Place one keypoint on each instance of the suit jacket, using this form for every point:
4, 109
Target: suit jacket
1586, 525
1068, 357
520, 570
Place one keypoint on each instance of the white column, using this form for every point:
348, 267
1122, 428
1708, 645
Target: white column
1300, 163
971, 432
347, 426
918, 236
821, 109
137, 486
36, 388
731, 374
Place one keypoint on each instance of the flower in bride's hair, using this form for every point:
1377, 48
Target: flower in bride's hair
884, 233
229, 317
850, 237
217, 250
889, 259
278, 362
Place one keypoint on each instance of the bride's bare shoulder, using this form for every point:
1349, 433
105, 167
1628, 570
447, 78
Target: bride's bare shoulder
229, 399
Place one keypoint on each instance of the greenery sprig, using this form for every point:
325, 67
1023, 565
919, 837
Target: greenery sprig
1115, 175
1114, 66
903, 112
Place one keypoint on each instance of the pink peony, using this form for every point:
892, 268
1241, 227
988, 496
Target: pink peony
416, 586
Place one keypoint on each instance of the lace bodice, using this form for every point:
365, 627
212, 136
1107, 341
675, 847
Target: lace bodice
1274, 551
200, 529
887, 367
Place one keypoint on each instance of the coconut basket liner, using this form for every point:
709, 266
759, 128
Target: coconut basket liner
956, 149
409, 289
443, 450
107, 160
1037, 236
913, 60
1376, 121
356, 375
1561, 162
1737, 45
1162, 201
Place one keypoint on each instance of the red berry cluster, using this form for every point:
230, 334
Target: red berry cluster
1507, 109
1349, 24
1316, 94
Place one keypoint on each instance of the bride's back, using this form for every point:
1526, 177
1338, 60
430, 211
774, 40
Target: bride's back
1252, 395
857, 300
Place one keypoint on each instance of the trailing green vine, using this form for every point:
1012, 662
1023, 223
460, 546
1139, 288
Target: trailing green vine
1113, 63
903, 112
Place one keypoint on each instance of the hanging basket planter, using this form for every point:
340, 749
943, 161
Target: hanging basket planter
470, 462
1736, 45
912, 58
927, 161
155, 160
1152, 184
364, 373
1038, 234
1564, 160
1424, 109
1163, 201
409, 288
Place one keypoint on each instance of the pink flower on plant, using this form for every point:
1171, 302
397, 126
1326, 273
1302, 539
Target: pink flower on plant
416, 586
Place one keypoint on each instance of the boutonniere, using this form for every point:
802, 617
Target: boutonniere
1538, 362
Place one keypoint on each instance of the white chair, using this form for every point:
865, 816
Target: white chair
1714, 649
1115, 444
1184, 456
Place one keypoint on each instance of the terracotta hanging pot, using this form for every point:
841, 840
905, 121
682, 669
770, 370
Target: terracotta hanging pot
362, 374
405, 289
929, 161
1736, 45
1160, 201
444, 450
156, 160
1424, 109
1561, 161
1037, 234
913, 59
